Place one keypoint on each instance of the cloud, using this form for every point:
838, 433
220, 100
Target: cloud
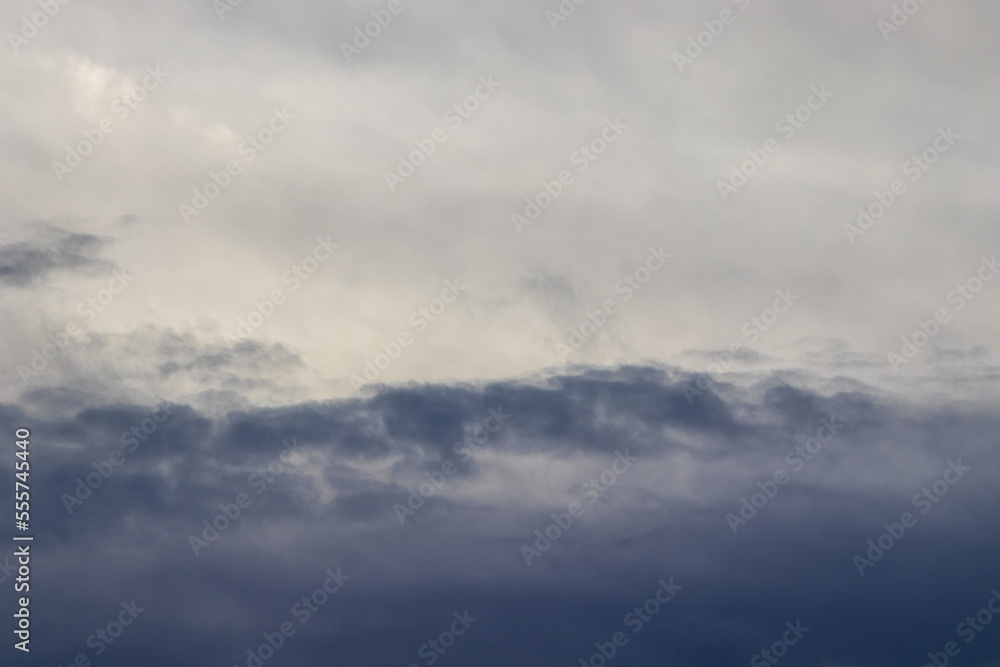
707, 448
25, 264
332, 504
656, 185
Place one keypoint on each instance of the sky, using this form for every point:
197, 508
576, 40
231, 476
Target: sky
526, 312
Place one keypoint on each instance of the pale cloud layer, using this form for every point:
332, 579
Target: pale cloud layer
656, 185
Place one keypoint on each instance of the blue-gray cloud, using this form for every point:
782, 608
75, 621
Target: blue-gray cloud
332, 506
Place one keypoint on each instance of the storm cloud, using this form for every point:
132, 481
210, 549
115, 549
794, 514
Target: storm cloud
335, 503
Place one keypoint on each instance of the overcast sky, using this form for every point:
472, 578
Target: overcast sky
689, 230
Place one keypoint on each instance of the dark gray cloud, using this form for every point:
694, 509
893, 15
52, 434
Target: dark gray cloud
24, 263
666, 517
